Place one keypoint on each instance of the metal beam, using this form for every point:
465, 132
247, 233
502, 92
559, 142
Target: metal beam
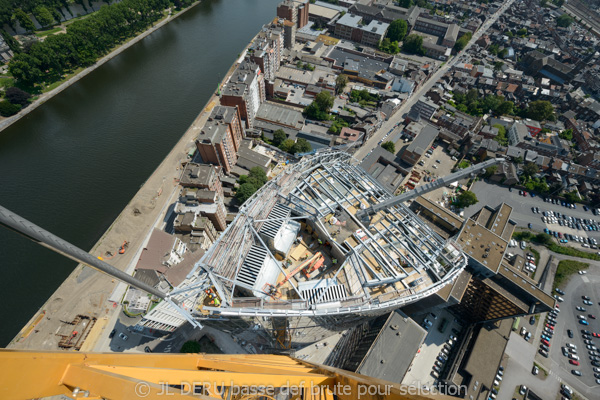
60, 246
446, 180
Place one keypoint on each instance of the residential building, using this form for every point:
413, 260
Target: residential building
220, 137
246, 90
295, 11
201, 176
533, 127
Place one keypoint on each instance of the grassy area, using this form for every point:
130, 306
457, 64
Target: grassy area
48, 32
546, 240
536, 255
56, 84
565, 269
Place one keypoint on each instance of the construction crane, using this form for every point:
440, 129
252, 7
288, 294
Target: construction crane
364, 215
74, 375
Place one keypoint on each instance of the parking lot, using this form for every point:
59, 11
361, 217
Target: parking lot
419, 373
493, 195
580, 285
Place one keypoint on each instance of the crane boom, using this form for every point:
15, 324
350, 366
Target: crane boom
443, 181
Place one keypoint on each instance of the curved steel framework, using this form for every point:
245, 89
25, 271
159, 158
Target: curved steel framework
369, 269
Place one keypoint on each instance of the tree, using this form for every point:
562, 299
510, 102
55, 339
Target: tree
522, 32
462, 41
405, 3
287, 145
530, 169
257, 176
498, 65
564, 21
340, 83
543, 238
397, 30
414, 44
541, 110
17, 96
244, 192
43, 16
503, 53
489, 171
324, 101
466, 199
543, 3
567, 134
301, 146
518, 160
7, 109
24, 20
506, 108
389, 146
501, 136
278, 137
572, 197
191, 346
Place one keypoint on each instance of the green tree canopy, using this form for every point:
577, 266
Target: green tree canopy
567, 134
191, 346
541, 110
397, 30
501, 136
389, 146
287, 145
530, 169
278, 137
301, 146
414, 44
244, 192
405, 3
324, 101
7, 109
319, 108
572, 197
564, 21
24, 20
462, 41
340, 83
43, 16
466, 199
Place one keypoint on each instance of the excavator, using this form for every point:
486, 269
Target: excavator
310, 264
123, 247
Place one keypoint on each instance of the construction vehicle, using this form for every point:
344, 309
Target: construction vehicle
123, 247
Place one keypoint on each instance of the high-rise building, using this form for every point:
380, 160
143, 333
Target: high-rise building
220, 137
295, 11
246, 90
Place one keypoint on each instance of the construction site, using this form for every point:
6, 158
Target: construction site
320, 248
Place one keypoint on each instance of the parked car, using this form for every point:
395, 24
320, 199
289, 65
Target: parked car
123, 336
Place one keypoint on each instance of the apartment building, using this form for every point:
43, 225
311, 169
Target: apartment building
351, 27
246, 90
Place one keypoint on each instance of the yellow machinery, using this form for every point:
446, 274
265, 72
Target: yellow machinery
28, 375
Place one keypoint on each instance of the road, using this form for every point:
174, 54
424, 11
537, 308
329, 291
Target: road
522, 354
389, 125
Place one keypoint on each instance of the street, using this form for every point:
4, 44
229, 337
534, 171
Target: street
389, 125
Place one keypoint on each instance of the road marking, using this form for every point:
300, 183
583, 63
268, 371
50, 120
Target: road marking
585, 279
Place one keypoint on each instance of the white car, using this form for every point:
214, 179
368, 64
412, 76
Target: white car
560, 299
583, 272
573, 356
571, 346
522, 390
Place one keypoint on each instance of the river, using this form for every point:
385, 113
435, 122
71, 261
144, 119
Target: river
74, 163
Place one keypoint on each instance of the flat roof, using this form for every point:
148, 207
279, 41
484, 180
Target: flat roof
392, 352
487, 352
482, 245
325, 12
280, 115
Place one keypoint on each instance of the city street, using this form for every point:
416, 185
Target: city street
389, 125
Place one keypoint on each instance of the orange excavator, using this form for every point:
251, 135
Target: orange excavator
312, 263
123, 247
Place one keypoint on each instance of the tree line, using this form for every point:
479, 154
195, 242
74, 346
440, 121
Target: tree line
85, 41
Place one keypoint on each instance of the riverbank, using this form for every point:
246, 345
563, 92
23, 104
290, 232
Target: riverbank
48, 95
88, 292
